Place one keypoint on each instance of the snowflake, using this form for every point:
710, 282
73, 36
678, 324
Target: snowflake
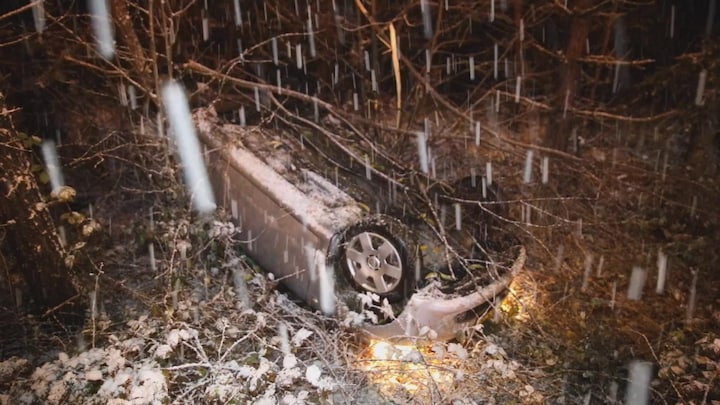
300, 399
289, 361
439, 350
495, 350
387, 309
173, 338
458, 350
287, 376
300, 336
367, 299
372, 316
57, 392
268, 397
413, 356
41, 378
112, 387
353, 319
162, 351
262, 369
313, 376
151, 389
715, 346
114, 360
94, 375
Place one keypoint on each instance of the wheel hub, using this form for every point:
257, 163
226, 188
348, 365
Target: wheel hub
373, 262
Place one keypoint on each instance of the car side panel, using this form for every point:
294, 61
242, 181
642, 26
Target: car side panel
270, 234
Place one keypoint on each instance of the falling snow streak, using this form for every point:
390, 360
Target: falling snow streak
662, 272
712, 6
241, 116
700, 92
422, 151
327, 287
274, 44
638, 390
600, 265
122, 93
151, 257
368, 168
692, 298
298, 56
183, 132
256, 93
495, 61
316, 110
284, 340
38, 12
527, 174
278, 77
637, 282
586, 274
458, 217
237, 13
240, 51
621, 50
672, 21
489, 173
427, 19
102, 27
545, 170
311, 33
205, 25
428, 61
132, 97
52, 165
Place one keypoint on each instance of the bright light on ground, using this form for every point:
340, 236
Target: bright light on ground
410, 371
424, 374
382, 350
521, 298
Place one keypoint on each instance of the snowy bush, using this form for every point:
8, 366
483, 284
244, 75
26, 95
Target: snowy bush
96, 376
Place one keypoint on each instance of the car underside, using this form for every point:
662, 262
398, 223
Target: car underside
418, 252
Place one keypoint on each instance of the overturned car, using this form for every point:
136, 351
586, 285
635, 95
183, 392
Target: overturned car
389, 245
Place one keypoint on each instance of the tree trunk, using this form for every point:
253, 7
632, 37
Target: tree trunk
558, 134
126, 32
31, 234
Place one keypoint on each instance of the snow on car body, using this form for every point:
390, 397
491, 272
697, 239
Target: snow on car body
291, 217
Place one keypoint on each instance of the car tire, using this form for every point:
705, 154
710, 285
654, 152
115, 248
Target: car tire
378, 256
